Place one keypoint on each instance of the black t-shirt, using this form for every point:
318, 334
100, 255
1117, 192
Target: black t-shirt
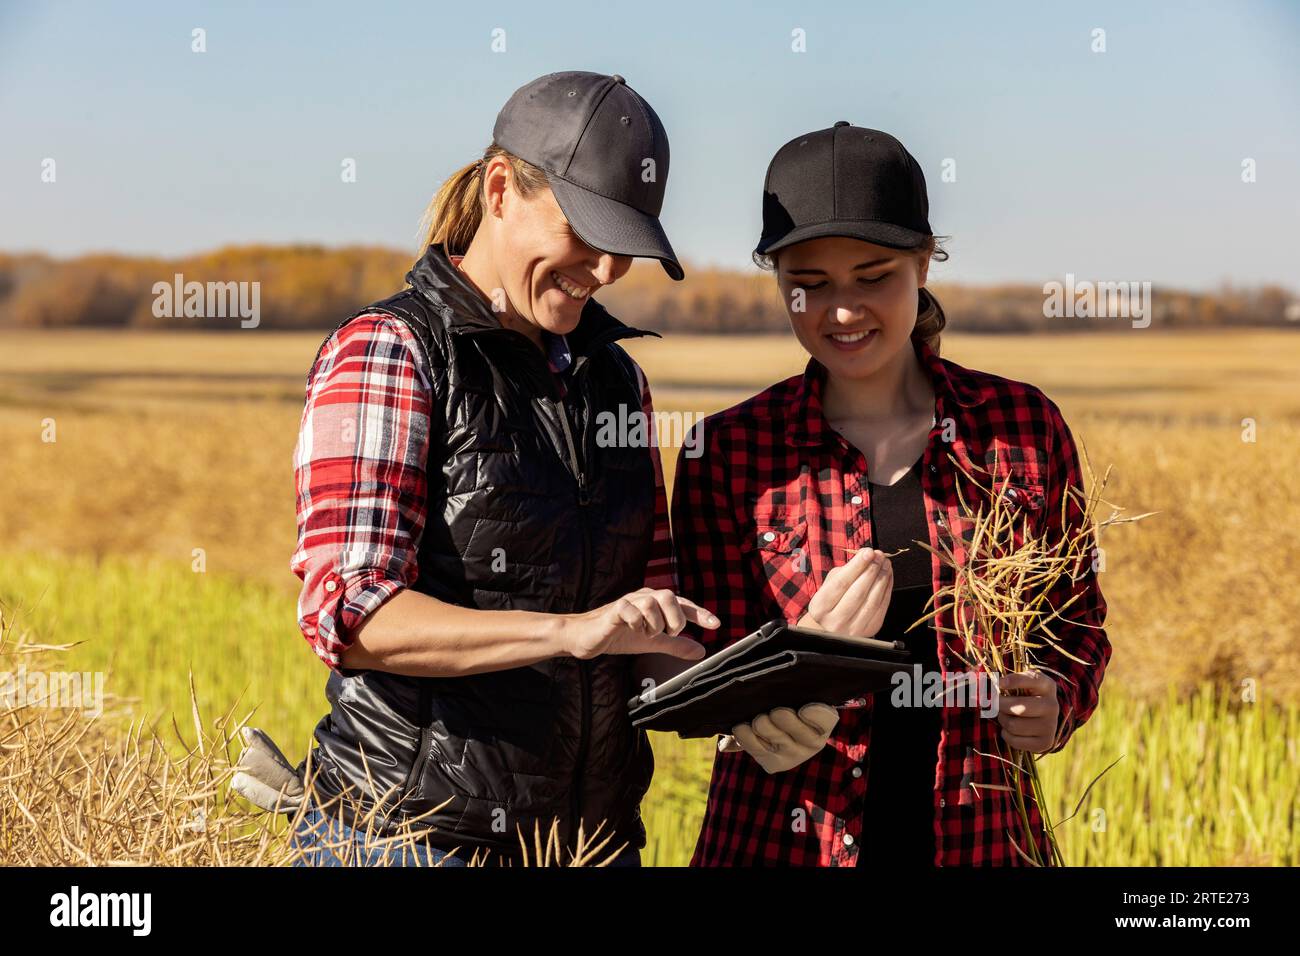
898, 828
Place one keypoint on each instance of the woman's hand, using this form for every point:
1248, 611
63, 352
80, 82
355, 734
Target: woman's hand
1028, 719
783, 739
647, 621
854, 597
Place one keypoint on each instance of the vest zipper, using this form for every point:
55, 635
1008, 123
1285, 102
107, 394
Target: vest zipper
584, 675
425, 740
584, 681
584, 588
575, 463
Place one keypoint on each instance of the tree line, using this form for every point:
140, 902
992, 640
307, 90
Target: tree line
313, 287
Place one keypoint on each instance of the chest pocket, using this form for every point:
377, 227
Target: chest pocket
777, 550
1019, 474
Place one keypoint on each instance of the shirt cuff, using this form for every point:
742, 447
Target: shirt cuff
348, 606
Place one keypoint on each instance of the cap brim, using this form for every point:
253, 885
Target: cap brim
880, 233
614, 227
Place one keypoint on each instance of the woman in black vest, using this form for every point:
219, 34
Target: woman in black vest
474, 560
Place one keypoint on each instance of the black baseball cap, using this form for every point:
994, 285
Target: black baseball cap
605, 154
844, 181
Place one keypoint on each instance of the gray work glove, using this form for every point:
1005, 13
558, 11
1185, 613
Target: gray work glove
265, 778
782, 739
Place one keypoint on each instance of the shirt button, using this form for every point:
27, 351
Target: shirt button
943, 802
331, 586
856, 771
856, 500
848, 839
770, 536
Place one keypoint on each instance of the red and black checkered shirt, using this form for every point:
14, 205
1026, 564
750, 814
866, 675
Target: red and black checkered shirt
773, 504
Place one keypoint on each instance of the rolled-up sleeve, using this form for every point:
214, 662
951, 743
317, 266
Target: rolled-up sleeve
359, 471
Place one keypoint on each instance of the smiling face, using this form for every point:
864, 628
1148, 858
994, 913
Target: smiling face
545, 270
852, 304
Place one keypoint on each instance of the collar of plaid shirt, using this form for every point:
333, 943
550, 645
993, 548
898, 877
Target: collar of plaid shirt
558, 355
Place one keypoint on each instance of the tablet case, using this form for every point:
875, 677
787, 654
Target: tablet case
779, 665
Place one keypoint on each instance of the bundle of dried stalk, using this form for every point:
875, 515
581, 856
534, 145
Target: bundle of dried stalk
1001, 616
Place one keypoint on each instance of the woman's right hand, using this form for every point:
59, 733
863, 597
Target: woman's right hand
648, 621
854, 597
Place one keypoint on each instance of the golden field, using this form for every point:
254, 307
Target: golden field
169, 442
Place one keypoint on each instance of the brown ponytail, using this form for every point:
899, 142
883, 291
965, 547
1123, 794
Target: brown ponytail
454, 214
930, 319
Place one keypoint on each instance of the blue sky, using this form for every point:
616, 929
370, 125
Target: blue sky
1117, 165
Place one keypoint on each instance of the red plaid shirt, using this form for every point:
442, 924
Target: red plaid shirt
360, 470
765, 512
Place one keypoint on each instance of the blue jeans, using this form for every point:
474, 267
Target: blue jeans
327, 841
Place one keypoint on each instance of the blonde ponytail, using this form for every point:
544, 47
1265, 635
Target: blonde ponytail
454, 213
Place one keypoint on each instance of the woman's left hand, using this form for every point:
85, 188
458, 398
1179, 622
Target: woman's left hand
781, 739
1029, 714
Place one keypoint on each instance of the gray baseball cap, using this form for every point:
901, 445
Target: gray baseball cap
605, 154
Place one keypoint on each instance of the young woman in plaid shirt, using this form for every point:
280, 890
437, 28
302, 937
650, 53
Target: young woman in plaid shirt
778, 517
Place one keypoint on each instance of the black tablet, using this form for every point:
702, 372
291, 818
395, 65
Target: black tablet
779, 665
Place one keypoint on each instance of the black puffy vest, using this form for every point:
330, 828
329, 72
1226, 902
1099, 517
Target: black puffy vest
525, 511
